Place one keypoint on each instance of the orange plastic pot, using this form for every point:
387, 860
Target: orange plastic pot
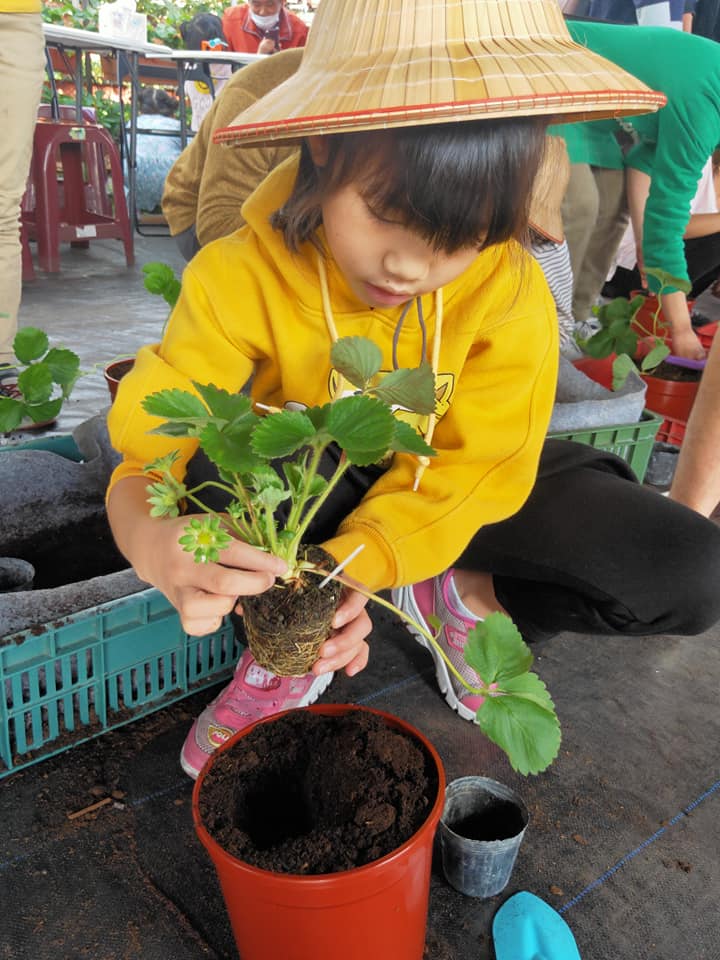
115, 371
374, 912
601, 371
670, 398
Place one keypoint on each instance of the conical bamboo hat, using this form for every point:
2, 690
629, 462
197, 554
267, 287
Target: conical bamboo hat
370, 64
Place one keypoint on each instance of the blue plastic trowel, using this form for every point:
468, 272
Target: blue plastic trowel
527, 928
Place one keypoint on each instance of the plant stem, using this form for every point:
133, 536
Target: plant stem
483, 690
317, 504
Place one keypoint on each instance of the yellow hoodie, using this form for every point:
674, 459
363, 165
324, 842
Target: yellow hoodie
249, 307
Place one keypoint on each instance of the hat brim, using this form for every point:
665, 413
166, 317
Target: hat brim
559, 80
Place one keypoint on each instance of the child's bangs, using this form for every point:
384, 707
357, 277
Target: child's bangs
458, 185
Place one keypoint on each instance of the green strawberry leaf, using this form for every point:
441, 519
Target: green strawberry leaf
622, 366
413, 389
40, 412
408, 440
36, 383
11, 414
496, 651
655, 357
523, 724
64, 366
363, 427
175, 404
224, 405
229, 448
357, 359
280, 434
30, 344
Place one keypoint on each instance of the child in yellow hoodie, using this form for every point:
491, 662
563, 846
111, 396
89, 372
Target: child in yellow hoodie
397, 224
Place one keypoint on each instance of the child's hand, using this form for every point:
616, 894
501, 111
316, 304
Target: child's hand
203, 593
347, 646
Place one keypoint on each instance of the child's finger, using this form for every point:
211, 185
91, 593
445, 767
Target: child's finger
355, 654
351, 606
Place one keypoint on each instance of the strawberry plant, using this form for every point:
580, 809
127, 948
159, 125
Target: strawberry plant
267, 461
621, 331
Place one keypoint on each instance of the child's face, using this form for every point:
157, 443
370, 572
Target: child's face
385, 263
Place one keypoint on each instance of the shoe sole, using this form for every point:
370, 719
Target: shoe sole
404, 599
317, 689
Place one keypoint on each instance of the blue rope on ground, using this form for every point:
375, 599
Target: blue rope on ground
408, 681
646, 843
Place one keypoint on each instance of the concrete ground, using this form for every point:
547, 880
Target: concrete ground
623, 836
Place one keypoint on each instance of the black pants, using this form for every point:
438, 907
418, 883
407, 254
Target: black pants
591, 551
702, 255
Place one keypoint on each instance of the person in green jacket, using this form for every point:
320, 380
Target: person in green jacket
663, 164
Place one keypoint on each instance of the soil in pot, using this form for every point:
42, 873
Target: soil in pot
499, 820
676, 373
286, 626
115, 371
313, 794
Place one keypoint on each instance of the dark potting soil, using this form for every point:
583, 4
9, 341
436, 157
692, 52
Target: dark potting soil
314, 794
678, 374
72, 554
499, 820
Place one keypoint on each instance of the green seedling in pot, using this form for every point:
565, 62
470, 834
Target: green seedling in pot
272, 460
46, 377
621, 331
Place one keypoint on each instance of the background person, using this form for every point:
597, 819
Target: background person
672, 148
263, 26
701, 239
696, 482
204, 32
22, 70
156, 152
208, 184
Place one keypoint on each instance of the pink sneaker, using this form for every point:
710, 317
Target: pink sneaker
253, 693
421, 600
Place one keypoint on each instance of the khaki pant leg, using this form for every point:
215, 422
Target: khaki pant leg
22, 68
612, 219
579, 214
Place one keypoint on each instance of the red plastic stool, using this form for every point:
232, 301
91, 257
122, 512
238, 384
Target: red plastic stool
72, 198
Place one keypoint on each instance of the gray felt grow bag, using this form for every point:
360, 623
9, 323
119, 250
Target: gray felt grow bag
581, 403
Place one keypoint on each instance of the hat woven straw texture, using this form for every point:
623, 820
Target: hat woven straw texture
370, 64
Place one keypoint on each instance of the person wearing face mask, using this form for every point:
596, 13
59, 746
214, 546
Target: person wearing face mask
263, 26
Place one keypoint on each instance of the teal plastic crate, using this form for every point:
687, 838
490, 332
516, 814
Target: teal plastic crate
631, 441
97, 670
62, 444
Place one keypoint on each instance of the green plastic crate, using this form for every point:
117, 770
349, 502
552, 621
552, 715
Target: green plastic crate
97, 670
631, 441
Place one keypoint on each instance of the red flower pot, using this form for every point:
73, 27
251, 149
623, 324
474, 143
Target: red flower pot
115, 371
374, 912
670, 398
598, 370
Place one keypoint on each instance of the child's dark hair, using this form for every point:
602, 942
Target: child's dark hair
157, 100
457, 185
203, 26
